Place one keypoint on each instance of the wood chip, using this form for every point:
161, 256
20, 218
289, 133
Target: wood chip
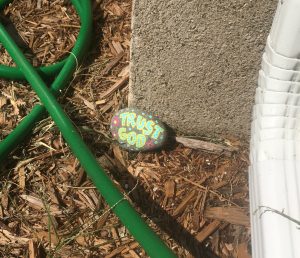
38, 204
208, 230
81, 240
7, 237
118, 155
22, 178
46, 236
101, 222
34, 202
124, 71
130, 247
215, 241
117, 46
112, 63
242, 251
181, 207
4, 200
133, 254
101, 102
116, 9
80, 177
115, 236
233, 215
3, 101
103, 244
89, 104
115, 87
32, 249
219, 185
170, 188
116, 251
86, 200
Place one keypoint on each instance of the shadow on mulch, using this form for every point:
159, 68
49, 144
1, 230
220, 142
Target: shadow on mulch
143, 201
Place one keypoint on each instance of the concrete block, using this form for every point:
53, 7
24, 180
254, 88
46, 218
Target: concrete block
195, 63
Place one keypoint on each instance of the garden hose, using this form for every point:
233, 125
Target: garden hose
63, 72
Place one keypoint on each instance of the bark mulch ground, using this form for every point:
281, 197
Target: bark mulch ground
194, 199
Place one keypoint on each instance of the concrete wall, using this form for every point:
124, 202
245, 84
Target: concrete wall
195, 62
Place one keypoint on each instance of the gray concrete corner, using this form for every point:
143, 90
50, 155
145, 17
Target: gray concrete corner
195, 63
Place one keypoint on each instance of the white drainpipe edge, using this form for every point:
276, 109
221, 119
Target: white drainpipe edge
274, 172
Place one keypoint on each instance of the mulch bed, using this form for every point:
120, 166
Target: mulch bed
197, 201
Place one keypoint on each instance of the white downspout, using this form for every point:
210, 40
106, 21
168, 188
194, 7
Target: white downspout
274, 173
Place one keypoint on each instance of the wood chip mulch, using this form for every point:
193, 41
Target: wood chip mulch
197, 201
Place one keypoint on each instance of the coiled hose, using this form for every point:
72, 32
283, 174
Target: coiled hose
62, 72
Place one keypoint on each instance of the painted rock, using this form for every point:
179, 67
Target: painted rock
136, 130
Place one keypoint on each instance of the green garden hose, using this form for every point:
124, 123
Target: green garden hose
63, 72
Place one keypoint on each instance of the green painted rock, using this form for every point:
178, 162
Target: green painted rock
136, 130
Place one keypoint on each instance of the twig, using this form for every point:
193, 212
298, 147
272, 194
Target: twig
269, 209
206, 146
